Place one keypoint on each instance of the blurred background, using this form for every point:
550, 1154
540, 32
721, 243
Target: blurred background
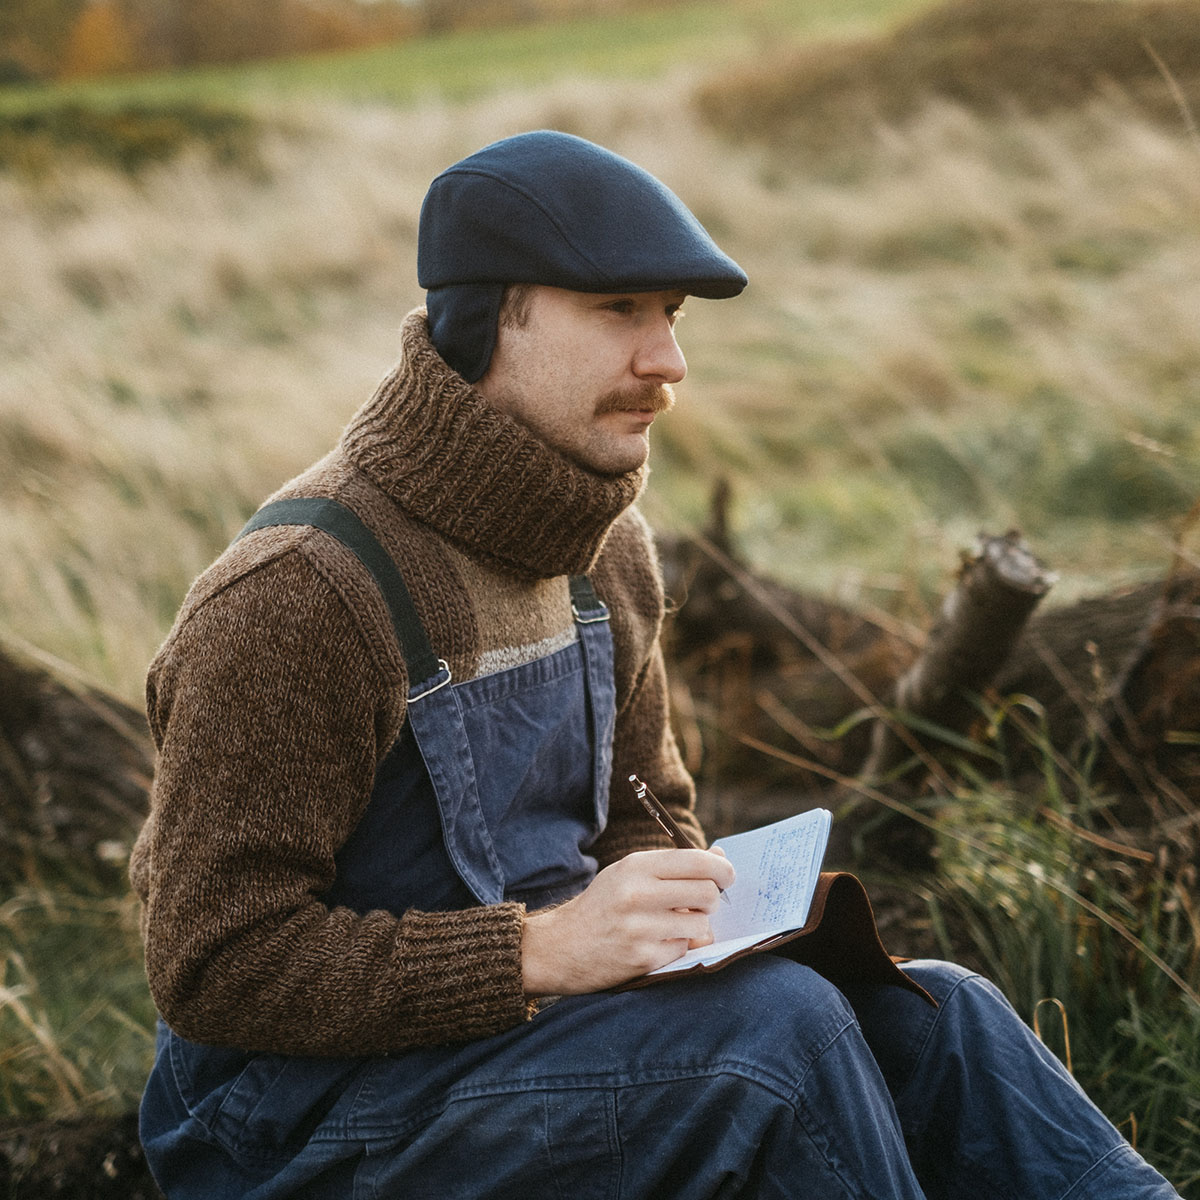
972, 230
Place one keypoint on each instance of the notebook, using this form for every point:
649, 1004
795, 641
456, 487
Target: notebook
777, 870
783, 903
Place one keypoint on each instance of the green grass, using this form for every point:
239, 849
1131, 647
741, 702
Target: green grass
76, 1019
37, 142
1100, 948
460, 66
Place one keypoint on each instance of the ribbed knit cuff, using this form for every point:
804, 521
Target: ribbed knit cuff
470, 967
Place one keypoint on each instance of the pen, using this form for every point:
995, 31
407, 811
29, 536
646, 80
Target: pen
679, 839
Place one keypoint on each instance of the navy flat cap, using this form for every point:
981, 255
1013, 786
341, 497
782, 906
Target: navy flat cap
549, 208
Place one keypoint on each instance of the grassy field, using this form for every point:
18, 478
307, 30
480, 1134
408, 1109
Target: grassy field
460, 66
971, 320
987, 324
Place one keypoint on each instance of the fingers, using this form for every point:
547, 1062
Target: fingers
658, 881
697, 895
637, 914
688, 864
671, 935
580, 948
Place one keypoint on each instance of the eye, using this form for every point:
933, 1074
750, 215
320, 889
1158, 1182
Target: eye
674, 312
625, 306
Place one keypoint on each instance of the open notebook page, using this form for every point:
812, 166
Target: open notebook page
777, 870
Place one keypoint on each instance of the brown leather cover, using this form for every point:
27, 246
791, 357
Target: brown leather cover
839, 941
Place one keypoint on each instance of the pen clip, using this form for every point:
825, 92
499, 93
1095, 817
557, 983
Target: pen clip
644, 794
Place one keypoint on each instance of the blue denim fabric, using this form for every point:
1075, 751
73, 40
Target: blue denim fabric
986, 1110
496, 790
760, 1081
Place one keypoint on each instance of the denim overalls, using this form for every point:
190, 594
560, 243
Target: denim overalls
495, 790
760, 1081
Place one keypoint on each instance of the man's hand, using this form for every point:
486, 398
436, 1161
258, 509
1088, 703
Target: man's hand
636, 915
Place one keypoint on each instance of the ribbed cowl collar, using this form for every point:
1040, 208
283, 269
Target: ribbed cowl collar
479, 478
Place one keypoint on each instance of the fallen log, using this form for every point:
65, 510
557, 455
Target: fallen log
751, 658
778, 694
75, 766
980, 621
1116, 679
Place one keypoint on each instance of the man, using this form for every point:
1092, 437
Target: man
392, 867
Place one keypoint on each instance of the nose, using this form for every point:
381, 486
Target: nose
659, 357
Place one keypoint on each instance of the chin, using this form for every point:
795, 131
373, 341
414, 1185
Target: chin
614, 464
609, 460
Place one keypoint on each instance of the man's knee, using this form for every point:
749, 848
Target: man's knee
939, 978
962, 994
773, 1011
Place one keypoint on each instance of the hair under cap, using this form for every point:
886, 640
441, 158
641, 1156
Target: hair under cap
550, 208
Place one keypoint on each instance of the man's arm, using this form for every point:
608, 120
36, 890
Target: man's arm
270, 711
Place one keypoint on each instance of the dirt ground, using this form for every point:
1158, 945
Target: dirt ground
89, 1158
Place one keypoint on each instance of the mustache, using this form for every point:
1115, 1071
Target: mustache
646, 397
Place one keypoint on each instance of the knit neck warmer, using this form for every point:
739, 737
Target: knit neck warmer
480, 479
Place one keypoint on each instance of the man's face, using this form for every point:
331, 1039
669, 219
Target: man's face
588, 372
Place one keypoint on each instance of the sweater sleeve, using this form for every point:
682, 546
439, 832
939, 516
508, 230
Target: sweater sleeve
266, 709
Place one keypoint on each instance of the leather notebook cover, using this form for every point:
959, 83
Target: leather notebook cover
839, 941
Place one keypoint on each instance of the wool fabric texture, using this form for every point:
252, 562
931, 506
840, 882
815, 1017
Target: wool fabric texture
281, 688
550, 208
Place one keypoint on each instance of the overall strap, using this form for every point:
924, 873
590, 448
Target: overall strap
595, 640
585, 604
347, 527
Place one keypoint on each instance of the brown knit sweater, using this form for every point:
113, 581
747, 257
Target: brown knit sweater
281, 687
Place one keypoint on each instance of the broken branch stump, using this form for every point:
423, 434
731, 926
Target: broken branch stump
980, 621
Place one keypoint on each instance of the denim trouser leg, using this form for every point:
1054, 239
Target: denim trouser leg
757, 1081
752, 1082
987, 1110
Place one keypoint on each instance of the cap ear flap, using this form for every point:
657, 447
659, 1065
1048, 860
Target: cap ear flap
463, 319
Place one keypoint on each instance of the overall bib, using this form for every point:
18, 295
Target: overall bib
762, 1080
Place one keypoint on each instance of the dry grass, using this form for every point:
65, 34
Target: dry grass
982, 319
76, 1022
992, 323
1038, 56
